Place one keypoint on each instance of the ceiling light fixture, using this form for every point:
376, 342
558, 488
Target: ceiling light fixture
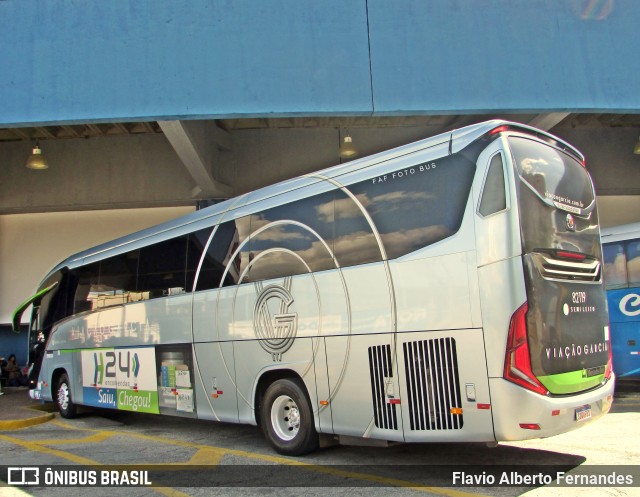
347, 148
36, 160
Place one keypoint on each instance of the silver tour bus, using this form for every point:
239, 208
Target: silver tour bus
446, 290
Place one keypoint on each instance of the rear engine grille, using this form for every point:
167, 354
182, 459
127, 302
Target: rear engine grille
560, 269
433, 385
381, 370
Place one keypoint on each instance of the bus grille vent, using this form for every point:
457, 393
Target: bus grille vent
381, 369
560, 269
433, 386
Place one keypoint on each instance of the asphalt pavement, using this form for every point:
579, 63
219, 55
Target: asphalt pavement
18, 410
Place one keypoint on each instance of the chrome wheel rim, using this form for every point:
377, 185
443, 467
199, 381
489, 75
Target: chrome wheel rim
63, 396
285, 418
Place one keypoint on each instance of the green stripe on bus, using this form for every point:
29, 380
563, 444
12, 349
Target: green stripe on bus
69, 351
571, 382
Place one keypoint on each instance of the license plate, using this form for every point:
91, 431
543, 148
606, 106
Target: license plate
583, 413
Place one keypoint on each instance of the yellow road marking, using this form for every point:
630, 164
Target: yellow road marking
170, 492
95, 438
36, 447
208, 455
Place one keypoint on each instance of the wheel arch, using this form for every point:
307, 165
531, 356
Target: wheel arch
266, 379
55, 378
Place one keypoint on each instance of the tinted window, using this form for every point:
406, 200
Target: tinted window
419, 205
117, 282
195, 246
633, 262
88, 289
56, 304
292, 239
222, 246
554, 191
615, 265
494, 198
552, 174
162, 268
409, 208
107, 283
354, 240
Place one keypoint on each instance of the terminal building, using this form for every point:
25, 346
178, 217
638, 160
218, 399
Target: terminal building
142, 111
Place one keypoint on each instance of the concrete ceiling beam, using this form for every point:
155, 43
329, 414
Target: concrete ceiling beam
547, 121
197, 143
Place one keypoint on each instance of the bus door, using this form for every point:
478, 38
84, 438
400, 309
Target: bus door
37, 337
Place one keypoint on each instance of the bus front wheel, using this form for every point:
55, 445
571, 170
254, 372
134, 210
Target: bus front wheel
63, 398
287, 418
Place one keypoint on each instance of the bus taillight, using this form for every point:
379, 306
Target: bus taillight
498, 129
517, 363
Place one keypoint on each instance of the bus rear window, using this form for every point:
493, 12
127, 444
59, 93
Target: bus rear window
557, 178
615, 265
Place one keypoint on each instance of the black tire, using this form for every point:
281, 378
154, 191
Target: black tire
287, 418
63, 398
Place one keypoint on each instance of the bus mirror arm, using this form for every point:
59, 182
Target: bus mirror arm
17, 314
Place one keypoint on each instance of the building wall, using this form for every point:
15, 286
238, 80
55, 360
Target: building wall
64, 61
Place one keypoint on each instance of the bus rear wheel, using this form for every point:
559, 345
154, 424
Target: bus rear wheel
287, 418
63, 398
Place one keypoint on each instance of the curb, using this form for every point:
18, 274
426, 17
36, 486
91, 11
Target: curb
16, 424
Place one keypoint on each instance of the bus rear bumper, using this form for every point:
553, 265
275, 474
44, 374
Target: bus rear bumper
519, 414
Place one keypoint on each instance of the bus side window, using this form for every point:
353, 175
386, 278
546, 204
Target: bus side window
413, 207
87, 290
290, 227
633, 262
615, 265
117, 282
494, 197
195, 246
162, 269
224, 243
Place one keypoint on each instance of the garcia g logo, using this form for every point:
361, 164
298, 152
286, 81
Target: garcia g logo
276, 332
630, 304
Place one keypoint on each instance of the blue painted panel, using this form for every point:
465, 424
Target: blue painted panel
468, 56
66, 60
624, 305
625, 347
624, 321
